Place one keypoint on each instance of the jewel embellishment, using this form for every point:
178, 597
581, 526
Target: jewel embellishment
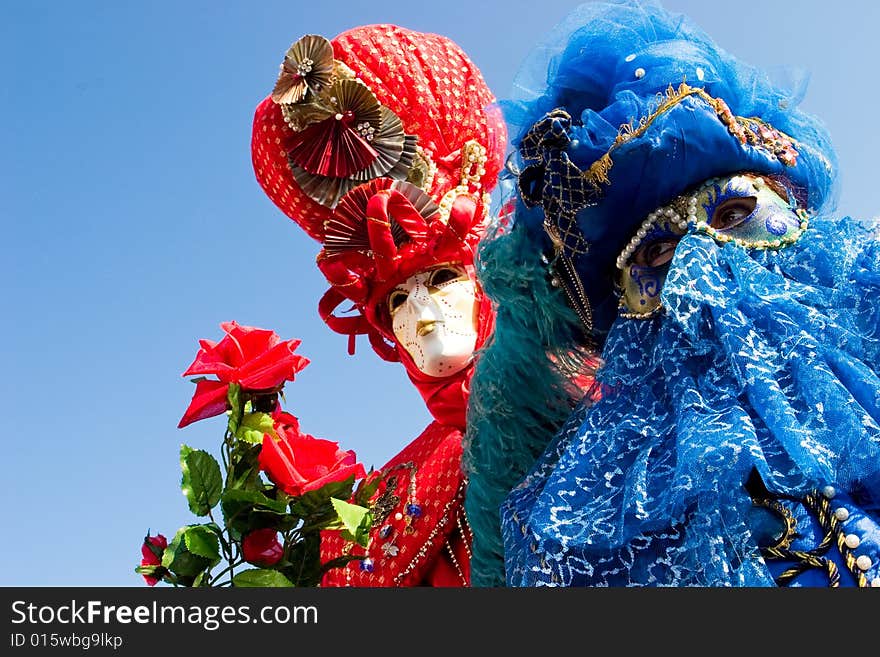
366, 130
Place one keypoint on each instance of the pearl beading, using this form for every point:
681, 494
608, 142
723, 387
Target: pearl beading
704, 227
623, 311
836, 518
671, 213
473, 168
862, 562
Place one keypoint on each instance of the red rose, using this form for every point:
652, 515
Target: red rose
262, 548
285, 421
254, 358
153, 545
299, 463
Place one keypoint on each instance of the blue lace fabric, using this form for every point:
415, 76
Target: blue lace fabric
763, 361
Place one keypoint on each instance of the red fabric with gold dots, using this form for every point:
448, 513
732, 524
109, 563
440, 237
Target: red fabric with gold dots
421, 557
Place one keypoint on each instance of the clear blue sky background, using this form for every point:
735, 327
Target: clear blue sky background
133, 225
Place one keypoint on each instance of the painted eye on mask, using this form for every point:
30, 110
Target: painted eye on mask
732, 212
655, 253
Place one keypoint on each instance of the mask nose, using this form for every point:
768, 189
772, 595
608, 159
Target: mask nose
424, 308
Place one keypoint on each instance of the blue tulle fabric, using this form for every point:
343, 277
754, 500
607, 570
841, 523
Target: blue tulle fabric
763, 361
606, 63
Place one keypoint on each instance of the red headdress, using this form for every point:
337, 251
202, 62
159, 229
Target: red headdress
383, 145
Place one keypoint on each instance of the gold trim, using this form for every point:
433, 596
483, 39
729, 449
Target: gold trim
821, 505
381, 222
597, 174
815, 558
623, 311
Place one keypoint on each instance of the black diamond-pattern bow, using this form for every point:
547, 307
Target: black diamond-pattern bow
552, 181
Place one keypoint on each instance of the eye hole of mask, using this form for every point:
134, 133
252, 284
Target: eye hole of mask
733, 212
443, 275
655, 253
396, 299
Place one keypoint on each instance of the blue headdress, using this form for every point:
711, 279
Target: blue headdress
764, 360
640, 105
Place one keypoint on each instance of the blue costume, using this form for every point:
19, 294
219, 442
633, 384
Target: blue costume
682, 209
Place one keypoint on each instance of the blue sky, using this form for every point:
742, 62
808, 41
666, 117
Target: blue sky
133, 225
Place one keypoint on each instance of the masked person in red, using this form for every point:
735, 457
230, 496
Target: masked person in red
381, 145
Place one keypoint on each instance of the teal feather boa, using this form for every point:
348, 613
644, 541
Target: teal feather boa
523, 385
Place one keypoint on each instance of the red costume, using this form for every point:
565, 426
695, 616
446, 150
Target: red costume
382, 146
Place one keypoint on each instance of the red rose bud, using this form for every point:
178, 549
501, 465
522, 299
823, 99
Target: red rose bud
262, 548
284, 420
151, 551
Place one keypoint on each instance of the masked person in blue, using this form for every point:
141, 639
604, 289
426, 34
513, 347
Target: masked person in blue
681, 210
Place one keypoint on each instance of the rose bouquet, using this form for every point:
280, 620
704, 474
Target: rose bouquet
278, 487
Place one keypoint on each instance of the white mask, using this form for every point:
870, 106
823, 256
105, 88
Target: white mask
433, 319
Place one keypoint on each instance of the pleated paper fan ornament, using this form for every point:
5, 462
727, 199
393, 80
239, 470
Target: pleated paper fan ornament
423, 80
308, 65
346, 230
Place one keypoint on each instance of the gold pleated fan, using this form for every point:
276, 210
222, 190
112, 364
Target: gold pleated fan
307, 66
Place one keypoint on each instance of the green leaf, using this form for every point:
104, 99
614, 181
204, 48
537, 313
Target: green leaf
181, 561
214, 527
253, 426
316, 504
245, 510
305, 560
233, 399
356, 521
202, 541
244, 470
260, 577
235, 500
201, 482
341, 562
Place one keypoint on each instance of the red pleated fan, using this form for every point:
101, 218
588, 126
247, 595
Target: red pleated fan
346, 229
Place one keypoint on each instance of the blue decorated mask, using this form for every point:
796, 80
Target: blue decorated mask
749, 210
